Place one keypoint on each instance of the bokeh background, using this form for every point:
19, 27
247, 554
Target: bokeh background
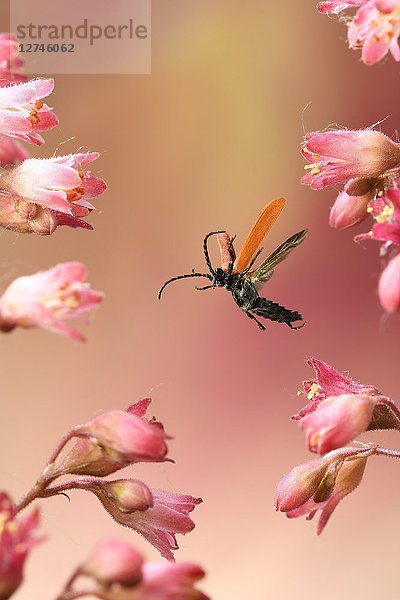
200, 144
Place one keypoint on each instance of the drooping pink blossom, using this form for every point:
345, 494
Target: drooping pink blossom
125, 438
25, 217
171, 581
321, 484
157, 515
168, 516
57, 183
376, 29
46, 299
22, 112
337, 421
17, 538
300, 484
328, 383
337, 6
10, 62
11, 152
117, 572
348, 210
362, 159
347, 480
87, 457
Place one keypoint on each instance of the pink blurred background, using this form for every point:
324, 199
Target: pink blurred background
200, 144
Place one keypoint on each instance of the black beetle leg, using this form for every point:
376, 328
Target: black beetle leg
261, 326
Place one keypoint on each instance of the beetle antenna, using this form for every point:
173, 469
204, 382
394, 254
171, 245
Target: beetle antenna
193, 274
247, 269
206, 255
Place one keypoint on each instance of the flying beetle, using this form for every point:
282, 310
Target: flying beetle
236, 276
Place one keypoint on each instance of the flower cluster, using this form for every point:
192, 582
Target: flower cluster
116, 571
339, 410
37, 195
375, 27
104, 445
367, 164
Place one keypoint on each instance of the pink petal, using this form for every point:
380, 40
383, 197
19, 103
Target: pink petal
374, 50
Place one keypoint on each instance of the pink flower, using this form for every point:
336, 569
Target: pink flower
375, 29
10, 63
348, 479
336, 6
321, 484
26, 217
171, 581
337, 421
22, 112
348, 210
386, 211
87, 457
47, 298
298, 486
389, 286
168, 516
16, 541
117, 571
125, 438
158, 516
11, 152
57, 183
114, 562
363, 159
329, 382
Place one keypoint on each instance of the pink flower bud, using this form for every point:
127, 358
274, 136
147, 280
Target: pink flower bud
16, 541
337, 421
121, 496
348, 478
348, 210
340, 156
389, 286
300, 484
114, 562
125, 438
171, 581
47, 298
57, 183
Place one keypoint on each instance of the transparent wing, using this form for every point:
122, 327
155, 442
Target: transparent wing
265, 271
263, 224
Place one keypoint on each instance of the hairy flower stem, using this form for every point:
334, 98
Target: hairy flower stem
49, 474
378, 451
